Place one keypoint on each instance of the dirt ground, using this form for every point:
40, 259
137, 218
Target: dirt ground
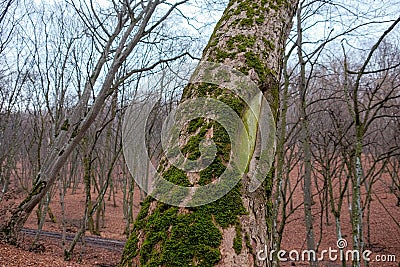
384, 229
51, 253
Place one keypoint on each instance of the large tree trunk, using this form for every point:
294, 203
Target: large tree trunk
250, 38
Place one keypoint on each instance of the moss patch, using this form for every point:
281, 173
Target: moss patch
191, 149
238, 240
190, 239
241, 42
194, 125
176, 176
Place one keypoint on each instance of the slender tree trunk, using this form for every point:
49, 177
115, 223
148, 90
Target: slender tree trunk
280, 160
336, 209
62, 190
4, 178
357, 224
42, 212
87, 178
355, 167
250, 37
306, 142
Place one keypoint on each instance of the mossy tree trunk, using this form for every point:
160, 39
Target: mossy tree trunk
250, 37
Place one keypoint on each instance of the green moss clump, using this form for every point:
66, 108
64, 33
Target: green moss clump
260, 20
254, 62
277, 4
194, 238
131, 246
213, 42
140, 219
206, 89
220, 55
130, 250
225, 210
194, 125
242, 42
157, 231
176, 176
238, 240
174, 239
234, 102
222, 141
268, 44
248, 244
254, 14
192, 150
274, 7
247, 22
189, 239
252, 9
213, 171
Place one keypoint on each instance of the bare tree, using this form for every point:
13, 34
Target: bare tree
114, 39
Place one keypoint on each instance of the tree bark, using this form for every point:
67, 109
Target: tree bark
250, 38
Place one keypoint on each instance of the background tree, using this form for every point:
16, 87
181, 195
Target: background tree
113, 39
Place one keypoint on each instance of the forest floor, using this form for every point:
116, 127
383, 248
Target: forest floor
51, 249
384, 232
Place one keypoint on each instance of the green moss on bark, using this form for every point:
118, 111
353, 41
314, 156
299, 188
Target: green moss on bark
176, 176
238, 240
194, 125
241, 42
191, 238
186, 239
192, 149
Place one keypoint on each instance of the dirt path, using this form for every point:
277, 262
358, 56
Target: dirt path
106, 243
